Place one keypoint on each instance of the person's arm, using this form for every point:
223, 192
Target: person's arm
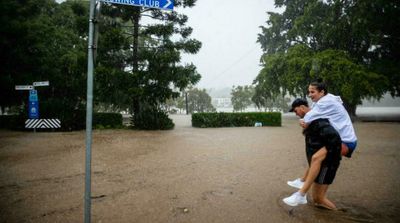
320, 110
324, 108
303, 123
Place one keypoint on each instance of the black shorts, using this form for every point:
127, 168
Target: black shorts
326, 175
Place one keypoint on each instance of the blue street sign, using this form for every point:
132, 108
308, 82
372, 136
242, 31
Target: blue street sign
159, 4
33, 95
33, 110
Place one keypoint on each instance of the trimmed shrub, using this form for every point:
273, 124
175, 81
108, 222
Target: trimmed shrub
152, 118
206, 120
14, 122
74, 121
72, 117
107, 120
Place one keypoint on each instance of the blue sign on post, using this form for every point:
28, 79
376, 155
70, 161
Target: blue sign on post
33, 108
159, 4
33, 95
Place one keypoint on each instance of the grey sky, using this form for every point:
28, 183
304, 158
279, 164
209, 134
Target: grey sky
228, 30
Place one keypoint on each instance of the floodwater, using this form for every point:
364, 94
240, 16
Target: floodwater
193, 175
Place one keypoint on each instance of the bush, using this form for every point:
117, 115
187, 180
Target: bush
74, 118
107, 120
14, 122
74, 121
204, 120
152, 118
71, 117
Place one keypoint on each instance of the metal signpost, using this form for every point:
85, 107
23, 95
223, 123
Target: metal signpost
89, 111
33, 107
33, 104
159, 4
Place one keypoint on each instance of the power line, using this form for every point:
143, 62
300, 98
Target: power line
221, 74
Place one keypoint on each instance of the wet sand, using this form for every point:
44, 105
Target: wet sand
193, 175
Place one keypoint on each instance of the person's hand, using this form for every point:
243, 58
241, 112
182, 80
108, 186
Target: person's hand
302, 123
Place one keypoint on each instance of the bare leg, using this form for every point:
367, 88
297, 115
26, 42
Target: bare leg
319, 196
345, 149
314, 169
305, 175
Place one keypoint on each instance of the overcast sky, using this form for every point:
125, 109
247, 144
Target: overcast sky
228, 30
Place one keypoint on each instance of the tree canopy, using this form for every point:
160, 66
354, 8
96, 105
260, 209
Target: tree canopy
351, 44
199, 101
139, 56
41, 40
137, 65
241, 97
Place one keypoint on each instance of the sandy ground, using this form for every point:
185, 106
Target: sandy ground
192, 175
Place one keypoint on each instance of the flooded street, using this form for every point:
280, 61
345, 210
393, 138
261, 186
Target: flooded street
193, 175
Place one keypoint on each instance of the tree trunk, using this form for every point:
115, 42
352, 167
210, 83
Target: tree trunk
135, 56
135, 110
351, 109
135, 63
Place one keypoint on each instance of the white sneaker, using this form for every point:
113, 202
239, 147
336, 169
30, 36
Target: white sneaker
295, 199
296, 183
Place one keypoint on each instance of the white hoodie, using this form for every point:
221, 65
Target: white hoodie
331, 107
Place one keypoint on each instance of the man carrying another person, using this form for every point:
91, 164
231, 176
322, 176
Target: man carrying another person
328, 106
323, 150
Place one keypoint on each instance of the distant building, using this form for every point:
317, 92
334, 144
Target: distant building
221, 102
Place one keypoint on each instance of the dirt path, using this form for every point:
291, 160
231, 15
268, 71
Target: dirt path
192, 175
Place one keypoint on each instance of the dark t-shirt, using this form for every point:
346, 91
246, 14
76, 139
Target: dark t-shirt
319, 134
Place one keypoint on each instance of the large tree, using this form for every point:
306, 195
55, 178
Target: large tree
137, 66
241, 97
349, 43
199, 101
139, 57
43, 40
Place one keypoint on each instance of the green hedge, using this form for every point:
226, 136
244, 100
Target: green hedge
152, 118
107, 120
205, 120
77, 122
14, 122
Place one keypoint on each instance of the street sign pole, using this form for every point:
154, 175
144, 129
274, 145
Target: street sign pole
89, 113
159, 4
33, 102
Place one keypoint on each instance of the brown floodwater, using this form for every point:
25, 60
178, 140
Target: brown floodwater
193, 175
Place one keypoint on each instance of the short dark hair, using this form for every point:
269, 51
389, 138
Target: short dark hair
298, 102
320, 85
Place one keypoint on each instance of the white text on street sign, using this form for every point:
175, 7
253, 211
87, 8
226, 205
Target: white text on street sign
41, 83
23, 87
159, 4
